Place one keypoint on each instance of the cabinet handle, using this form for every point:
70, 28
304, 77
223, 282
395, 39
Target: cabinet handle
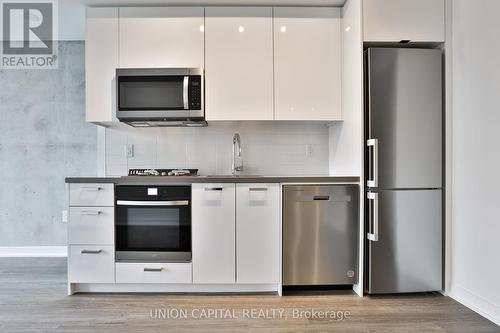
90, 251
90, 212
213, 188
258, 189
91, 188
146, 269
321, 197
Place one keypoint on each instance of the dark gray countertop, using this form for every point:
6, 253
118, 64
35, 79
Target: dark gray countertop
213, 179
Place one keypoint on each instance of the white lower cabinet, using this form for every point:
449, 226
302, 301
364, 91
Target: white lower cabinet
153, 273
91, 264
91, 225
257, 233
91, 195
235, 239
236, 233
213, 233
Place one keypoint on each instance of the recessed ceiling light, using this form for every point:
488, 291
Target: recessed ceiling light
241, 28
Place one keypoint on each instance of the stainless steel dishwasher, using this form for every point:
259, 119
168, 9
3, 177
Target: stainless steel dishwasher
320, 235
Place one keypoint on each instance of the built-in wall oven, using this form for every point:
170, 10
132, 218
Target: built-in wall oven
153, 223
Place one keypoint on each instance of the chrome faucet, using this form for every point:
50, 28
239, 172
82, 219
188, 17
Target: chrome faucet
237, 165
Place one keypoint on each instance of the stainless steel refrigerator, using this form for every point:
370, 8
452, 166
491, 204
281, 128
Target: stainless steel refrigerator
404, 170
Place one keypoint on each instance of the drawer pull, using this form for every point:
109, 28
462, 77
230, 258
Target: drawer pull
91, 188
90, 212
321, 197
153, 269
213, 188
258, 189
91, 251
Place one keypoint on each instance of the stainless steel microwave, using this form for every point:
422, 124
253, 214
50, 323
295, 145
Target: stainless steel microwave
160, 96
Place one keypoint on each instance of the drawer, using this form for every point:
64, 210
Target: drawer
91, 225
91, 264
91, 194
153, 273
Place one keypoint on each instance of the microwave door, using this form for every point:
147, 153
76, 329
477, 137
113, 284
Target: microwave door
152, 96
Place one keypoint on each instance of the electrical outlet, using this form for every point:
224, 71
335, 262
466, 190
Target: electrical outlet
309, 150
129, 150
64, 216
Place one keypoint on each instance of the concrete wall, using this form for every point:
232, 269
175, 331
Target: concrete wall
43, 138
476, 156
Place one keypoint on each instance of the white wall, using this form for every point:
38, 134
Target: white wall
268, 148
475, 245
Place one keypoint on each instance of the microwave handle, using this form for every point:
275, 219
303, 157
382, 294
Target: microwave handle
185, 95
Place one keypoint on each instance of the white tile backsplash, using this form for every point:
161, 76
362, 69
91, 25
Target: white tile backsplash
267, 148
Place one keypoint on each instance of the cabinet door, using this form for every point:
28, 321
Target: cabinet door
396, 20
161, 37
213, 233
307, 63
101, 60
257, 233
239, 63
91, 264
91, 225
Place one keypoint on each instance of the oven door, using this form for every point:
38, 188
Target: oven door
150, 231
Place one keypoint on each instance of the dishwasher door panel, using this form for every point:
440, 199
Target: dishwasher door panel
320, 235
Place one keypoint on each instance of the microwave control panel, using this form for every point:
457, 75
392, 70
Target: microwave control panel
195, 92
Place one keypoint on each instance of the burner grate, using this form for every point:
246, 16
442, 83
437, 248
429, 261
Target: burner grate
162, 172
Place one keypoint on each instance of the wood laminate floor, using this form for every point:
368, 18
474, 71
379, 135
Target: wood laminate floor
33, 299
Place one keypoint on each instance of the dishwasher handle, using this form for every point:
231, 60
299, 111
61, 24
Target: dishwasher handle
321, 198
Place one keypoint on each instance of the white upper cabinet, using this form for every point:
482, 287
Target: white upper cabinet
257, 233
396, 20
213, 233
239, 63
161, 37
307, 64
101, 60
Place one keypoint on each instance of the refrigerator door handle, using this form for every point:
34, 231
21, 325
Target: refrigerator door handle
373, 182
373, 236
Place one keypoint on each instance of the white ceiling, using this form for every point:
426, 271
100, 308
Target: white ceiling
216, 2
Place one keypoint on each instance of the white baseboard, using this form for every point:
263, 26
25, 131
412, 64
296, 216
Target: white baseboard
33, 251
476, 303
170, 288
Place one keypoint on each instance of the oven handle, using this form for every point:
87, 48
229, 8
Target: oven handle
152, 203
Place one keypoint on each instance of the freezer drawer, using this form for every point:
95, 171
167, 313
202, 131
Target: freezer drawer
320, 235
405, 253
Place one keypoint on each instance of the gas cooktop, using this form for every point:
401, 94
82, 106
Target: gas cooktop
163, 172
